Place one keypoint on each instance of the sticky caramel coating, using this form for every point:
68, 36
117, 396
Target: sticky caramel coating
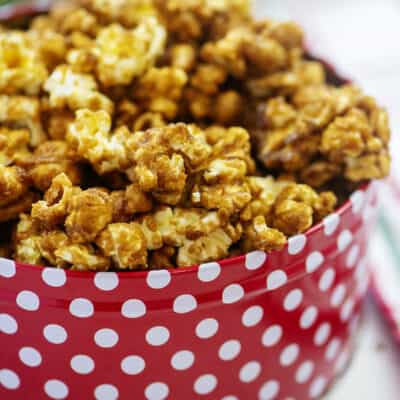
150, 134
22, 71
326, 132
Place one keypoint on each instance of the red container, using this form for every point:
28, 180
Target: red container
276, 326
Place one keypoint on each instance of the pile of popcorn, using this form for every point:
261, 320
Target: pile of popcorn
141, 134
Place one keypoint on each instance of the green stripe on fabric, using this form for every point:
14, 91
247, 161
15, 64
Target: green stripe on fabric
389, 237
5, 2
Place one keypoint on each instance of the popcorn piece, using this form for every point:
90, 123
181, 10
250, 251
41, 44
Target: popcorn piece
50, 46
89, 212
214, 246
82, 258
126, 12
296, 207
23, 112
183, 56
258, 236
128, 202
243, 51
13, 145
76, 91
264, 191
162, 158
125, 244
13, 184
126, 54
160, 90
53, 209
50, 159
90, 135
193, 19
21, 69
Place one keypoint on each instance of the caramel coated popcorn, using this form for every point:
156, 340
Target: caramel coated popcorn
150, 134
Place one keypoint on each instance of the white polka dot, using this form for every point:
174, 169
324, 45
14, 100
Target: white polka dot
207, 328
28, 300
327, 279
184, 304
106, 281
272, 336
229, 350
357, 201
82, 364
158, 279
293, 300
157, 391
205, 384
8, 324
255, 260
308, 317
55, 334
7, 268
332, 349
352, 256
338, 295
317, 387
269, 390
252, 316
230, 398
322, 334
276, 279
54, 277
344, 240
9, 379
347, 310
81, 308
157, 336
56, 389
106, 338
133, 365
314, 261
182, 360
30, 356
209, 271
296, 244
341, 362
232, 294
304, 372
106, 392
289, 355
331, 222
133, 308
250, 371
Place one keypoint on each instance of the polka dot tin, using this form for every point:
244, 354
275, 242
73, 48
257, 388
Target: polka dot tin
277, 326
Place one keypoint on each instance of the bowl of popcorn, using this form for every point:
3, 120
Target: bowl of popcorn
186, 197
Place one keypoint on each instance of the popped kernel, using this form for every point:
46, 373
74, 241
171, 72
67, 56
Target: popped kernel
160, 90
21, 67
76, 91
125, 244
23, 112
124, 54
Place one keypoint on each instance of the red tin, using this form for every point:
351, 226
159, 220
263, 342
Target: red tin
277, 326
